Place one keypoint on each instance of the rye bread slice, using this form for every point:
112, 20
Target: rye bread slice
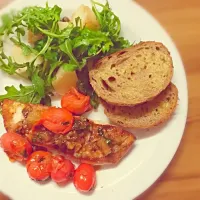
133, 75
146, 115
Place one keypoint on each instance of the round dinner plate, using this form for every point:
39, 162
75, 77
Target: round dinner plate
153, 149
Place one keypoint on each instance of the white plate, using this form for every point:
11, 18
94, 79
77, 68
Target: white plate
153, 150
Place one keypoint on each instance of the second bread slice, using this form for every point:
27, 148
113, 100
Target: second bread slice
146, 115
133, 75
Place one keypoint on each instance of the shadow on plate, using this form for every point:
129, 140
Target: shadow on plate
143, 134
146, 133
44, 182
112, 166
63, 185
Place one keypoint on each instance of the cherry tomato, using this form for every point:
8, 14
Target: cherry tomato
57, 120
39, 165
16, 146
84, 177
75, 102
62, 169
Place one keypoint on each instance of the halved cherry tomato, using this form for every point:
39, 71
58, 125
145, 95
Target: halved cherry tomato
57, 120
84, 177
16, 146
62, 169
39, 165
75, 102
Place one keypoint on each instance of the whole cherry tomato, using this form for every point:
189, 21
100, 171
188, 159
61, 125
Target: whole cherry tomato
62, 169
84, 177
75, 102
15, 146
39, 165
57, 120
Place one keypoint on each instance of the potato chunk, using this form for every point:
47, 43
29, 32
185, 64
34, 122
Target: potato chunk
33, 38
87, 16
62, 25
20, 58
64, 81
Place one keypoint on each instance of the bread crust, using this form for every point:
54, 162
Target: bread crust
146, 115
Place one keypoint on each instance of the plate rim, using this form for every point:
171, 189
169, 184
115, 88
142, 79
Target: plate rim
165, 163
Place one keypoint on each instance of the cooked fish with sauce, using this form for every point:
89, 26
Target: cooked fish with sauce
87, 142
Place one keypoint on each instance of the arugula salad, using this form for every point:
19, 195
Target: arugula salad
52, 47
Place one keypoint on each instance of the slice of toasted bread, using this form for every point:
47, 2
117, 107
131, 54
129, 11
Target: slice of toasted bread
133, 75
145, 115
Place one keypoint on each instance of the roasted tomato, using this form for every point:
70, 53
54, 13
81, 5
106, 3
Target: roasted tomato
84, 177
75, 102
15, 146
39, 165
62, 169
57, 120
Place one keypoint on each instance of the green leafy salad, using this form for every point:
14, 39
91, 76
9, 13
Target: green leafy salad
69, 48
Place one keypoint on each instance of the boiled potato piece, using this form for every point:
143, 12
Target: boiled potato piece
32, 38
62, 25
20, 58
64, 81
87, 16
